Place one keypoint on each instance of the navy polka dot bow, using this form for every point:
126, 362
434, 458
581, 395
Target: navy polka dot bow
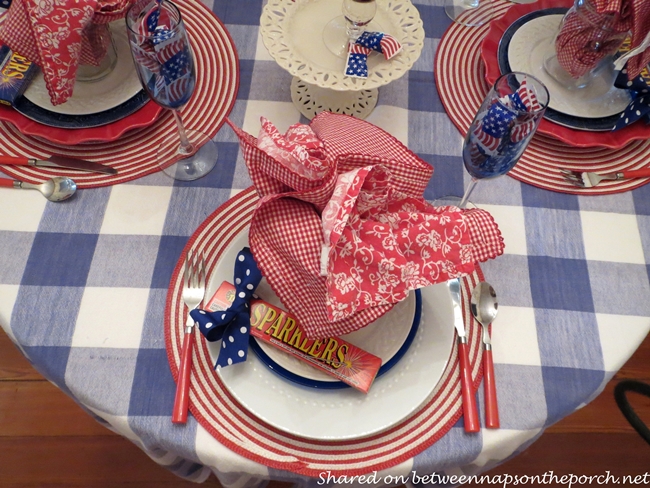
232, 326
639, 107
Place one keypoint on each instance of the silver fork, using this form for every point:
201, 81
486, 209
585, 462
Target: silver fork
193, 294
585, 179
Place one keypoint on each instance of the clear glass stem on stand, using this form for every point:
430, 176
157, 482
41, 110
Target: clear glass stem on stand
468, 192
186, 146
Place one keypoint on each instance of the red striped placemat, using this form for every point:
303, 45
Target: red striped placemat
460, 80
134, 154
236, 428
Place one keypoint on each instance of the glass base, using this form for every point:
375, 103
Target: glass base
470, 13
335, 35
451, 201
192, 166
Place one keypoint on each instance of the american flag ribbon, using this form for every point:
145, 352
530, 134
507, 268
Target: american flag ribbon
356, 64
501, 120
165, 52
380, 42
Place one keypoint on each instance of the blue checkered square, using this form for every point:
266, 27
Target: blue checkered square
520, 392
434, 18
537, 197
568, 339
101, 376
245, 12
560, 284
169, 251
447, 176
641, 198
59, 259
632, 288
52, 362
422, 93
132, 267
43, 326
546, 231
260, 86
152, 374
566, 389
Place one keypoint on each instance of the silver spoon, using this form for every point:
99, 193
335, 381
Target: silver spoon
56, 189
484, 307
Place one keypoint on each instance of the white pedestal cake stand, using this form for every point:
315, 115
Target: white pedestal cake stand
292, 31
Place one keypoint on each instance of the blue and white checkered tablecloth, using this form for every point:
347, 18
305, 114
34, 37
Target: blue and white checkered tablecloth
83, 283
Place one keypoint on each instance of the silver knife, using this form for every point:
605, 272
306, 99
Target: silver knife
59, 162
470, 408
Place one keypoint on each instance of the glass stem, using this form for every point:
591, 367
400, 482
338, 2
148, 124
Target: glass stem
186, 146
468, 192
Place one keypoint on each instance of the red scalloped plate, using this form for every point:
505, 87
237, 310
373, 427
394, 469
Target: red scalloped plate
104, 133
573, 137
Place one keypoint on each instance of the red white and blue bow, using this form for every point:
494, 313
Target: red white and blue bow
358, 51
232, 326
380, 42
639, 107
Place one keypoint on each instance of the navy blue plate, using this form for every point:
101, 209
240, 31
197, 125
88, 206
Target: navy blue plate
335, 385
65, 121
582, 123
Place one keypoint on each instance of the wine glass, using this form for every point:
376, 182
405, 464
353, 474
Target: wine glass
163, 60
471, 13
502, 128
346, 28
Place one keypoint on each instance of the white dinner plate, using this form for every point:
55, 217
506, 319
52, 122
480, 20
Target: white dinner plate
348, 413
117, 88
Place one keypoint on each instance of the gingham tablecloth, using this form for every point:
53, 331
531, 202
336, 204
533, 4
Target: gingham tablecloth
83, 283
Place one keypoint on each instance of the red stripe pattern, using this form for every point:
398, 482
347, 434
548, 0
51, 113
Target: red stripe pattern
233, 426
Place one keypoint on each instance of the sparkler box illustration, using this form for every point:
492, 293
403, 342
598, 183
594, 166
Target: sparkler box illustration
332, 355
16, 73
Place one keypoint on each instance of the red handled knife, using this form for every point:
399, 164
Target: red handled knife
59, 162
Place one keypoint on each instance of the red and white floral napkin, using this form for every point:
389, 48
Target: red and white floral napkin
576, 41
345, 239
58, 35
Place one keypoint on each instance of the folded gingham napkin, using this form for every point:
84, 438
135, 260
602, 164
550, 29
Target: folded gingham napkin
59, 35
580, 44
361, 219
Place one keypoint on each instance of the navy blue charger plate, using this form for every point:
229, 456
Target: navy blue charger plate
65, 121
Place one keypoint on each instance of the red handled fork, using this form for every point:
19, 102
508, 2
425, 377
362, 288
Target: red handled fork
193, 293
588, 180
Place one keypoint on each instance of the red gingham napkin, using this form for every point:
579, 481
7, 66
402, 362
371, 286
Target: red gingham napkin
575, 42
58, 35
372, 183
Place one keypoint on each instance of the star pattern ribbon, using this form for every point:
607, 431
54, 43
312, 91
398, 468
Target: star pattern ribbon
356, 64
166, 53
232, 326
